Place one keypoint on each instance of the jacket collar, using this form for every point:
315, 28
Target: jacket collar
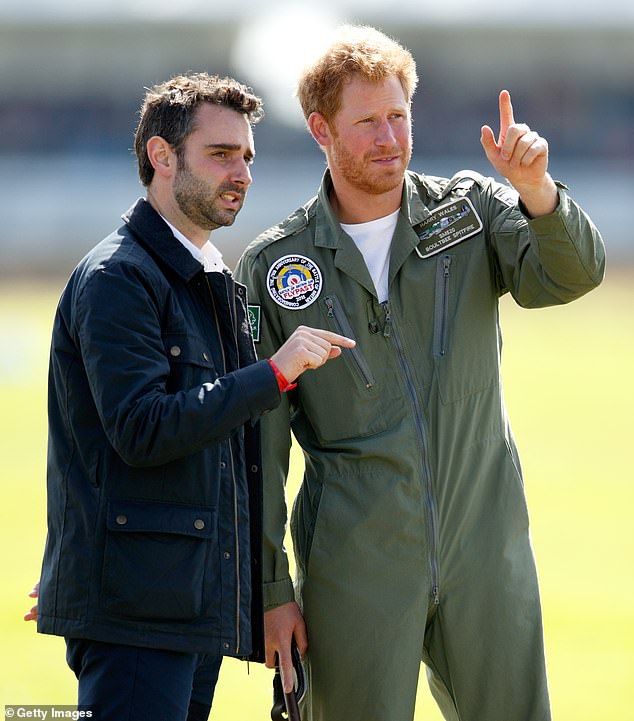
155, 235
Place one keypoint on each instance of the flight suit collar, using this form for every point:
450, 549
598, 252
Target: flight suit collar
413, 211
329, 234
348, 258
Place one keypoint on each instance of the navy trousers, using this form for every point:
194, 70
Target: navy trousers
128, 683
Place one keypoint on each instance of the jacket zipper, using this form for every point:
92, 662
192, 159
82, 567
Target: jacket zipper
344, 328
390, 331
237, 551
234, 326
233, 477
442, 309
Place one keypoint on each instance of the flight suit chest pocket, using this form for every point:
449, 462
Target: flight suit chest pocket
190, 361
465, 338
343, 398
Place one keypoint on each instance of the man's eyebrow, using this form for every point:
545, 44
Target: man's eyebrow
224, 146
229, 146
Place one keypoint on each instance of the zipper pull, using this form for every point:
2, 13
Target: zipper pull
387, 328
330, 306
373, 325
446, 263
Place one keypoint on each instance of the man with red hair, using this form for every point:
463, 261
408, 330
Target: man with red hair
410, 528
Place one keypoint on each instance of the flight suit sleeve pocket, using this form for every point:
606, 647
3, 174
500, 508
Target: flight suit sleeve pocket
154, 559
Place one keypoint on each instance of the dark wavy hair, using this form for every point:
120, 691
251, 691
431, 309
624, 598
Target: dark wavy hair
169, 111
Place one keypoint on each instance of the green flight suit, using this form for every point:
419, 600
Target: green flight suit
410, 528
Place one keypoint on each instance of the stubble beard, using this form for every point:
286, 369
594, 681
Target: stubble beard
360, 174
199, 204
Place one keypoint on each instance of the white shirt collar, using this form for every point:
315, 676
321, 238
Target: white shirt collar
208, 256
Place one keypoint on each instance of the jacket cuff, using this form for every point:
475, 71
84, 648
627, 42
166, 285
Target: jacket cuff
260, 389
277, 593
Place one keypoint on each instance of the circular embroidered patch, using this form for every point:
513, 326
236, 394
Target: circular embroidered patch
294, 282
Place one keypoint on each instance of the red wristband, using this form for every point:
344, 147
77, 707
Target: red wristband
283, 384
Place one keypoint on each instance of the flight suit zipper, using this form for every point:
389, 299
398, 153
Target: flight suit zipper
231, 458
343, 327
442, 306
391, 331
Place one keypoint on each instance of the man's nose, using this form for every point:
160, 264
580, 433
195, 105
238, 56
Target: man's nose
385, 134
242, 173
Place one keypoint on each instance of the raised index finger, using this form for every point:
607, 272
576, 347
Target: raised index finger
506, 115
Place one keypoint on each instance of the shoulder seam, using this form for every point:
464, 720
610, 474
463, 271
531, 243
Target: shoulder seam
293, 224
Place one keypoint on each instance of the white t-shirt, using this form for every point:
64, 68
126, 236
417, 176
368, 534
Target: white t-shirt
209, 256
374, 240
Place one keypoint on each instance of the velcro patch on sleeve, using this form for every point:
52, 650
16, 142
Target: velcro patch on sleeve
254, 312
508, 196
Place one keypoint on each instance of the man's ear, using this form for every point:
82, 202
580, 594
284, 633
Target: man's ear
162, 156
320, 129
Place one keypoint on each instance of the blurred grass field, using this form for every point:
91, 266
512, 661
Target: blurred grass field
568, 380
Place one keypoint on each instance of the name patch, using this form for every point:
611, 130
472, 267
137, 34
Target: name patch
294, 282
446, 226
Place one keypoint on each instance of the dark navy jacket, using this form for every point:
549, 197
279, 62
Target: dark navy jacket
154, 487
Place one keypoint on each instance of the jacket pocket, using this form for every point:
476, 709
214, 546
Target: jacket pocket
155, 559
190, 361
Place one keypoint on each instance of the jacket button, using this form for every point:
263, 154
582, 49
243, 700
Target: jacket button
121, 520
254, 469
175, 351
223, 464
199, 524
227, 555
205, 356
225, 645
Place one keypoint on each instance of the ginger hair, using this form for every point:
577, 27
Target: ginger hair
355, 51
